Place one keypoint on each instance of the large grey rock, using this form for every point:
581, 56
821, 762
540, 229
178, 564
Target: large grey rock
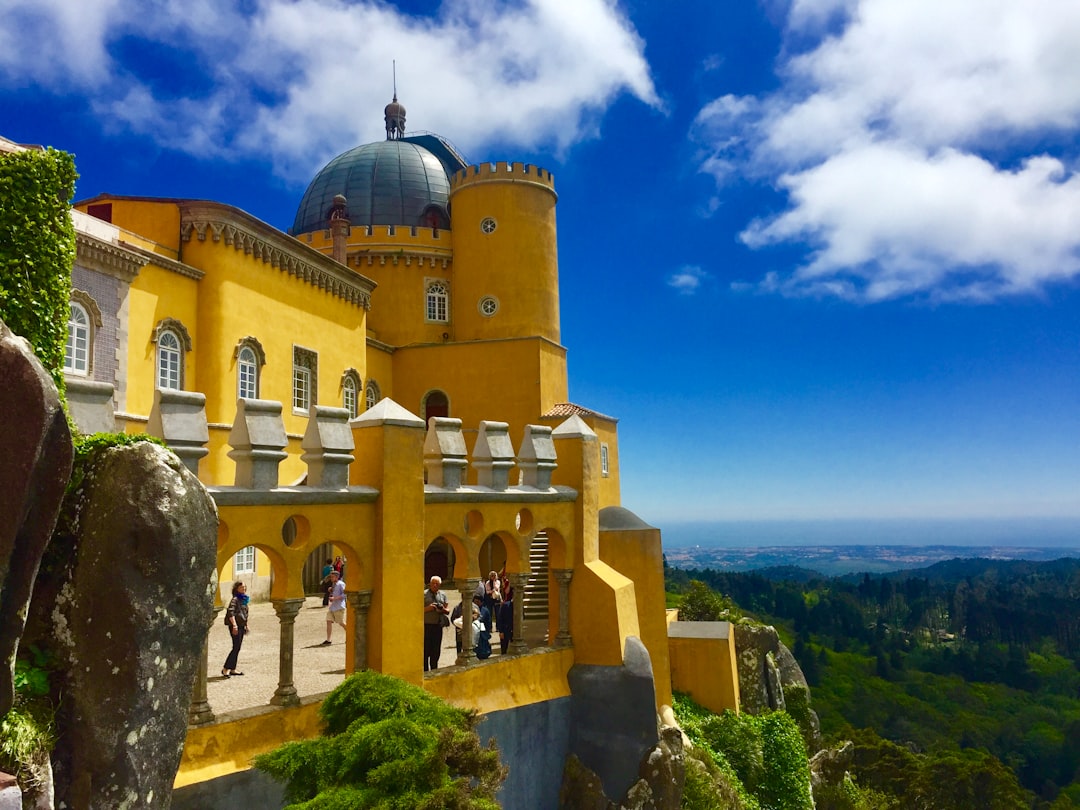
35, 463
132, 605
613, 711
664, 769
766, 667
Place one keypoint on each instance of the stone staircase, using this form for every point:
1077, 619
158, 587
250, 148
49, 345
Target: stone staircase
535, 602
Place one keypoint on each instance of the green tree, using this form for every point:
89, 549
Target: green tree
702, 604
388, 744
37, 249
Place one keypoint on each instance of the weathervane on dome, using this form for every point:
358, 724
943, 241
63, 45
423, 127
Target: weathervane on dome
395, 115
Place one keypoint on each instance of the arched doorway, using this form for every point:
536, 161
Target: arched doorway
436, 403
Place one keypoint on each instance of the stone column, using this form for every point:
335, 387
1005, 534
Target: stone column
517, 582
286, 610
563, 577
467, 655
200, 713
359, 604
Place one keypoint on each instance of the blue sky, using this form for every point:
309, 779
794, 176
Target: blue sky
821, 257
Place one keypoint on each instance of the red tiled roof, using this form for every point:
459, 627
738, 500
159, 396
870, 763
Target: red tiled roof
565, 409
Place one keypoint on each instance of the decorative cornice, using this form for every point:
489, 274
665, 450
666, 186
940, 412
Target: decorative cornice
231, 226
121, 262
165, 263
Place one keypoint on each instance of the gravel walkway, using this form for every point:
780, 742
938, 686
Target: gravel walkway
316, 669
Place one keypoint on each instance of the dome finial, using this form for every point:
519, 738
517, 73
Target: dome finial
395, 115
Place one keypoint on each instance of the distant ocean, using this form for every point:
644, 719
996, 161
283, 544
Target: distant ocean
1014, 532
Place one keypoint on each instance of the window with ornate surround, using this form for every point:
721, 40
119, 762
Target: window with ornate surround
350, 392
437, 302
250, 358
305, 379
173, 343
372, 394
84, 319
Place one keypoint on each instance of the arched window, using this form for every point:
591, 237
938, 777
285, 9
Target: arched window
350, 393
436, 404
77, 351
172, 341
371, 394
247, 374
438, 302
250, 358
169, 371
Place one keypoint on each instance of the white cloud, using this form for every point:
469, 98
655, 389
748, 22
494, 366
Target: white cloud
687, 280
300, 80
926, 148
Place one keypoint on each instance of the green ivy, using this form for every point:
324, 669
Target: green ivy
37, 249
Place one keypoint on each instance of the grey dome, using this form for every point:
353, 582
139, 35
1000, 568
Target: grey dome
385, 183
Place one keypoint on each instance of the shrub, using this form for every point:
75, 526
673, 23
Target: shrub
388, 744
702, 604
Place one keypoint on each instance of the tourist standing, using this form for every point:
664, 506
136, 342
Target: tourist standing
436, 617
236, 619
336, 613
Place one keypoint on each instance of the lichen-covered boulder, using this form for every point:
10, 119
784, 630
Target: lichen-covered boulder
35, 463
766, 667
132, 604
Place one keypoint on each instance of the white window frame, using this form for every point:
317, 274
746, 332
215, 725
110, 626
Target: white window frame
437, 302
350, 396
247, 373
604, 459
80, 343
170, 361
305, 380
372, 395
244, 562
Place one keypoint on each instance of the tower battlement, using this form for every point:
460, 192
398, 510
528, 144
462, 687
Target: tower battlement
502, 171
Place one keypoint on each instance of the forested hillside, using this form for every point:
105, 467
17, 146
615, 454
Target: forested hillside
958, 683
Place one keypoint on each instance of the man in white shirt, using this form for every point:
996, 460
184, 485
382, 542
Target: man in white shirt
336, 612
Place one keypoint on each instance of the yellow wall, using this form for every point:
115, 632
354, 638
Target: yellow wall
157, 293
506, 683
506, 381
638, 555
156, 220
380, 368
218, 749
703, 663
517, 263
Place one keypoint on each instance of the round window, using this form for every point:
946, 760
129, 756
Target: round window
488, 225
488, 305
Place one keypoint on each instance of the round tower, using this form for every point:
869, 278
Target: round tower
506, 267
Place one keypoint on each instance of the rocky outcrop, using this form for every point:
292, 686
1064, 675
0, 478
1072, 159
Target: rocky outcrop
35, 463
128, 601
771, 679
661, 774
828, 767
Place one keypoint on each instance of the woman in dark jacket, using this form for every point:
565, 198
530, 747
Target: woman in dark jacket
236, 619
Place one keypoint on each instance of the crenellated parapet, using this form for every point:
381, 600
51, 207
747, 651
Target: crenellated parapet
395, 245
503, 172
